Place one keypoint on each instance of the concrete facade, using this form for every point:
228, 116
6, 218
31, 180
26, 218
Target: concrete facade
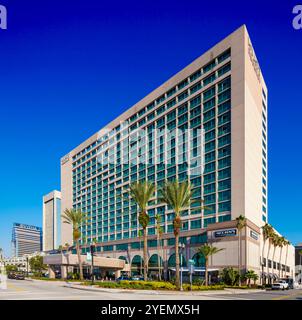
26, 239
52, 221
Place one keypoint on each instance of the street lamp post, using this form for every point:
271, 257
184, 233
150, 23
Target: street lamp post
27, 267
92, 247
181, 248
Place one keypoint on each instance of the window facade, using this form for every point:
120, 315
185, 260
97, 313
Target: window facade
200, 104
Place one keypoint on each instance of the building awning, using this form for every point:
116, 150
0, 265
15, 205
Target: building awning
263, 274
273, 276
72, 260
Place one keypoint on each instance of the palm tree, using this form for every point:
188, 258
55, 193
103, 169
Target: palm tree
60, 248
267, 231
270, 242
275, 243
281, 244
66, 246
75, 218
207, 250
251, 275
141, 193
240, 224
178, 196
159, 233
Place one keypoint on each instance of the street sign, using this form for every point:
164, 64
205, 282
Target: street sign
88, 256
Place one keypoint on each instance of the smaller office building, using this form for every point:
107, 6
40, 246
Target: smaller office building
26, 239
298, 263
52, 221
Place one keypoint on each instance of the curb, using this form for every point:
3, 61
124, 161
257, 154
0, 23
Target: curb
49, 282
188, 293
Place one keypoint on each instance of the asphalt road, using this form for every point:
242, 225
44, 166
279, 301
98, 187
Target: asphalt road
40, 290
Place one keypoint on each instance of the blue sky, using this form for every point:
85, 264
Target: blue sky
70, 67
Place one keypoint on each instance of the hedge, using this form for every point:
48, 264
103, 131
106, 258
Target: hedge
151, 285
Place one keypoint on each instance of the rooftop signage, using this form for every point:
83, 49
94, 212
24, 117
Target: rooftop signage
26, 226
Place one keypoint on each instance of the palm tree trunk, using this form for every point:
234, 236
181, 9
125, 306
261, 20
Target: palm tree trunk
300, 269
239, 257
79, 260
280, 258
206, 271
286, 260
177, 281
263, 250
273, 258
140, 252
263, 247
158, 257
145, 255
268, 252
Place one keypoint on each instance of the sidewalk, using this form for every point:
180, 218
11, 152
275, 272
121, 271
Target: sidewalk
162, 292
61, 282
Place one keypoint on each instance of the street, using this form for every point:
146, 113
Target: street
44, 290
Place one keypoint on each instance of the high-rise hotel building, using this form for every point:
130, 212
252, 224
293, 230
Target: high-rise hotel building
207, 124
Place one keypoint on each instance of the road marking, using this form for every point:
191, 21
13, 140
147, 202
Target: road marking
288, 296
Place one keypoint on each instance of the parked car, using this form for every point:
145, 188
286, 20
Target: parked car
19, 276
11, 276
290, 282
280, 285
137, 278
123, 278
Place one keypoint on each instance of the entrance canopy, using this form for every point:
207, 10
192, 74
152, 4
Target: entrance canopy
72, 260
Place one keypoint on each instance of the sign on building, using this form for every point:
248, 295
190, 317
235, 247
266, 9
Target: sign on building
225, 233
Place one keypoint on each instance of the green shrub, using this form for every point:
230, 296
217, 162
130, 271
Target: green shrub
142, 285
230, 276
152, 285
198, 282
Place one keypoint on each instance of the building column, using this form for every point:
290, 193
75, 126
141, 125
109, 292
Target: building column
51, 272
117, 274
63, 272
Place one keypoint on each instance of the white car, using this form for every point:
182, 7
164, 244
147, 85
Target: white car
280, 285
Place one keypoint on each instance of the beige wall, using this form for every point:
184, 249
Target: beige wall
66, 203
50, 223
